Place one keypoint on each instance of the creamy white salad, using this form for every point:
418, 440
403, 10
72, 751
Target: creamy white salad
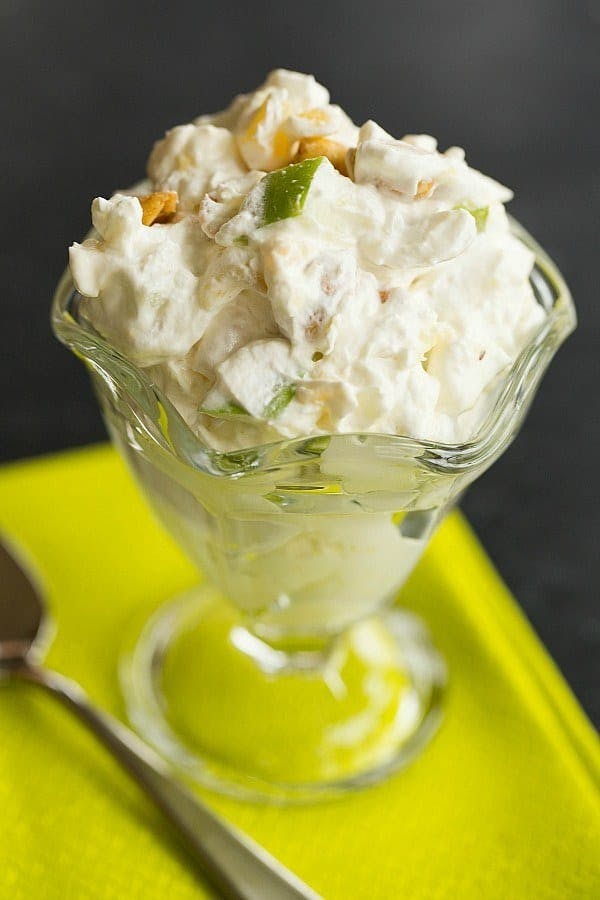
284, 273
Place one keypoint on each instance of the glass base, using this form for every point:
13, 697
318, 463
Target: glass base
241, 717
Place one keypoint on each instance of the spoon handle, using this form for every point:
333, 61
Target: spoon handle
236, 865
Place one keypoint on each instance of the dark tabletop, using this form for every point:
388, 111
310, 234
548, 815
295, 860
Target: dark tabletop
87, 88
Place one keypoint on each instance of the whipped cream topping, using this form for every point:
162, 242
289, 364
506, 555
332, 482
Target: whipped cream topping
315, 276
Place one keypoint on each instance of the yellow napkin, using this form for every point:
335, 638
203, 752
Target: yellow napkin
503, 804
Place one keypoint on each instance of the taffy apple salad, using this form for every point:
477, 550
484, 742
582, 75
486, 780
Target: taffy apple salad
284, 272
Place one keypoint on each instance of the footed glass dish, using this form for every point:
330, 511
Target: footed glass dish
290, 673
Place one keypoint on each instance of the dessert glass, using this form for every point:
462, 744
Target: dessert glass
291, 674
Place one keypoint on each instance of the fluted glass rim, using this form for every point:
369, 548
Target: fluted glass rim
162, 425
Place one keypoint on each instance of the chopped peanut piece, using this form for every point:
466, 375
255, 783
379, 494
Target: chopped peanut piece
158, 207
308, 148
315, 324
261, 285
384, 296
424, 188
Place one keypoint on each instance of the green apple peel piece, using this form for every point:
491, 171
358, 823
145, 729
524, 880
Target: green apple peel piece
480, 215
286, 190
284, 395
225, 411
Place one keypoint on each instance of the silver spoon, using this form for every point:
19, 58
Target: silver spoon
239, 868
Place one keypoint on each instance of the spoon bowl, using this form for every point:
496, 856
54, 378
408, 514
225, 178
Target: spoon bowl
23, 622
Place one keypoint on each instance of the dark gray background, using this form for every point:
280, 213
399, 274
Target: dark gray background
88, 87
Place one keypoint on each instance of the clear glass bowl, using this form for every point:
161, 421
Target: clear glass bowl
292, 675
